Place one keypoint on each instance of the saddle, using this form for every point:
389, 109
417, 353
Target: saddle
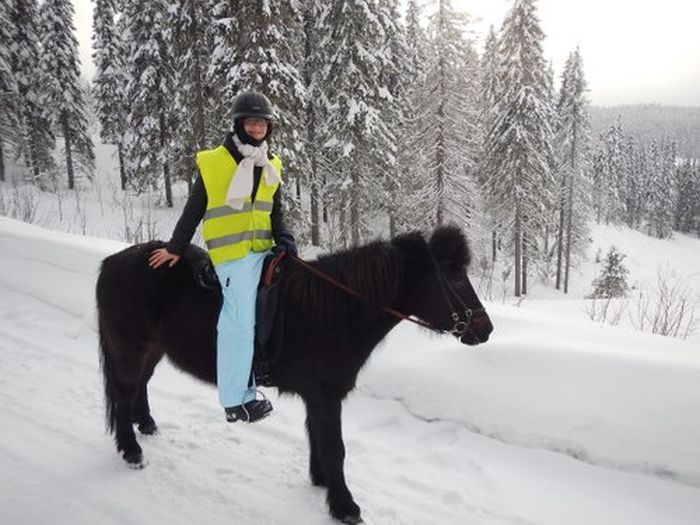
269, 319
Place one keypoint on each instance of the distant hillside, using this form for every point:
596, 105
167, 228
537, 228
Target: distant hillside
647, 121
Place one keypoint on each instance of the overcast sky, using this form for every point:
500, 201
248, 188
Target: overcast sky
633, 51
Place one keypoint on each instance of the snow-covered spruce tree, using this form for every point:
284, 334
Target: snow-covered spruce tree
190, 48
149, 95
612, 281
490, 91
661, 189
408, 209
393, 77
64, 92
35, 138
313, 63
269, 47
573, 149
519, 144
687, 209
608, 175
110, 78
222, 31
359, 139
633, 173
448, 140
9, 122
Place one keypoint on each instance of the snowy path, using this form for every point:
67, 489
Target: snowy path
435, 433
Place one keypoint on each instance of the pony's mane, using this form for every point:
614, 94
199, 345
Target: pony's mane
375, 270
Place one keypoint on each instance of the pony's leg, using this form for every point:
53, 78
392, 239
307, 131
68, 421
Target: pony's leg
315, 466
142, 410
126, 387
325, 419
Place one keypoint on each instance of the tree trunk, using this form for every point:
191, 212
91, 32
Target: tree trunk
524, 255
166, 167
439, 175
494, 245
570, 208
315, 218
355, 208
2, 162
168, 185
560, 232
122, 169
517, 239
569, 227
69, 155
309, 33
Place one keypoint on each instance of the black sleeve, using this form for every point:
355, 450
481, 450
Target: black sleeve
279, 232
189, 220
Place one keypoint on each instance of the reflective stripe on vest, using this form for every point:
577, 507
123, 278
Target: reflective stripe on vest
229, 233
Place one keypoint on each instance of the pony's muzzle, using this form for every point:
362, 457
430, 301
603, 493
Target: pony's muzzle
479, 330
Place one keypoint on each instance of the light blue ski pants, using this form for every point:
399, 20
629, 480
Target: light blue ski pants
236, 328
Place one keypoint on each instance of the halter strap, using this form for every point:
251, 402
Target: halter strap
357, 294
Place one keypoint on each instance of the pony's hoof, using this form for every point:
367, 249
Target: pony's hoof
134, 460
351, 520
350, 514
148, 428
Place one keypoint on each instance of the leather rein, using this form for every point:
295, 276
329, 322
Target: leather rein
461, 324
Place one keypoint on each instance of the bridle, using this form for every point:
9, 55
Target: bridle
461, 315
461, 324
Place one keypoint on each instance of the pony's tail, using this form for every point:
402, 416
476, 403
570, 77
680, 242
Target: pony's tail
108, 377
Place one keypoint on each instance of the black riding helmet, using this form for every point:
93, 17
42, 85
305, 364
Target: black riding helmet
251, 104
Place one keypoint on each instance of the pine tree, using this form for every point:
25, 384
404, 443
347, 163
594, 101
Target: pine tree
149, 95
9, 122
223, 32
35, 138
609, 175
269, 60
314, 59
612, 281
393, 70
687, 197
65, 100
661, 197
447, 109
519, 143
490, 91
110, 79
360, 139
191, 48
408, 208
573, 139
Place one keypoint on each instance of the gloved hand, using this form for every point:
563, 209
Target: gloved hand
285, 244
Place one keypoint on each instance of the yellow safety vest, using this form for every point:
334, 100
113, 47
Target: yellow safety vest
230, 234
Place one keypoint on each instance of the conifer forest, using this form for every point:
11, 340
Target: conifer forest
389, 117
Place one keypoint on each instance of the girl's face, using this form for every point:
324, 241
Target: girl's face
255, 127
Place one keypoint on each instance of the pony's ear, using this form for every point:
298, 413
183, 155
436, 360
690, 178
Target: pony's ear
449, 245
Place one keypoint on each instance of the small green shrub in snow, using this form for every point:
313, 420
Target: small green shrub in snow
612, 281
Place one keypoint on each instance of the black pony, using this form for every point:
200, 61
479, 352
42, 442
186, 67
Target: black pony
326, 337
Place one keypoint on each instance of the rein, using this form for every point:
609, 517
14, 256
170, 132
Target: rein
459, 329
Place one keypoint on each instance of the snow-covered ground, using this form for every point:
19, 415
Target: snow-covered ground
557, 420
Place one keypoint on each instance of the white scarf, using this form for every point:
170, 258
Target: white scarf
242, 183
